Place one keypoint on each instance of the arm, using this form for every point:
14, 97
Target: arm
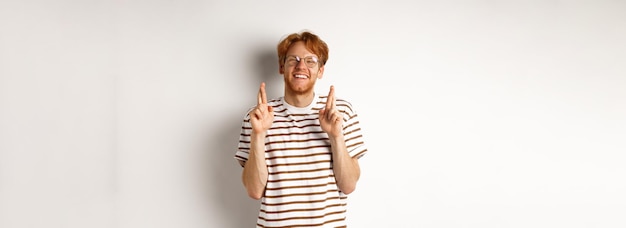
346, 168
255, 170
255, 173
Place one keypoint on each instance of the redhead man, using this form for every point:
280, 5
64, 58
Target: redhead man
300, 152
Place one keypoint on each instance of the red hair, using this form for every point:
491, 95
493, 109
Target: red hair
311, 41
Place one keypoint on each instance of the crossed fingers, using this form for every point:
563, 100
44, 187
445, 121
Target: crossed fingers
262, 116
262, 107
331, 115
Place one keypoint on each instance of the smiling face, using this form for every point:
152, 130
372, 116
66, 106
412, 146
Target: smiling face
299, 78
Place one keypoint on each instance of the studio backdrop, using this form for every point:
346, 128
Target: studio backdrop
126, 114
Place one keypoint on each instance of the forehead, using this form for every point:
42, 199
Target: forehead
298, 49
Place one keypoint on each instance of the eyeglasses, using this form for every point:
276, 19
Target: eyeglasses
309, 61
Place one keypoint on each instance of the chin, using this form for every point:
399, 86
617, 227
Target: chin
301, 90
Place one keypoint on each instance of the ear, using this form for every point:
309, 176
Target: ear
281, 69
320, 72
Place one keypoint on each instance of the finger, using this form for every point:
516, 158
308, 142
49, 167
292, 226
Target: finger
263, 94
259, 98
330, 115
257, 113
334, 104
336, 115
335, 118
330, 100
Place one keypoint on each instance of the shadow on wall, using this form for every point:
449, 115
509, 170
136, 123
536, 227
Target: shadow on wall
238, 210
267, 67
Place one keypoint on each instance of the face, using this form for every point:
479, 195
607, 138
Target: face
300, 78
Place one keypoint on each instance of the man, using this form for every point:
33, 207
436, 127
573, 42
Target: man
300, 152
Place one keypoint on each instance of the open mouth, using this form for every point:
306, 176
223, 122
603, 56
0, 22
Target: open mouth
301, 76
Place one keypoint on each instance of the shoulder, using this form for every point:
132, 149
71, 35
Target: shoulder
344, 104
341, 103
274, 103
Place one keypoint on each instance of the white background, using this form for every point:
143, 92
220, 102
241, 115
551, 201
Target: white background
126, 114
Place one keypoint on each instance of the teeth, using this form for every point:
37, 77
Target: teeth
300, 76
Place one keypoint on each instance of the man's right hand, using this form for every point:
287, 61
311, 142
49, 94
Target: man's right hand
262, 116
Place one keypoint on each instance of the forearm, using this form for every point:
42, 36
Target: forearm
346, 168
255, 171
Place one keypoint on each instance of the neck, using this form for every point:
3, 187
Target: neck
299, 100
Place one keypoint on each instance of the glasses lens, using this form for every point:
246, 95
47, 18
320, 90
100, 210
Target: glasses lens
292, 61
310, 61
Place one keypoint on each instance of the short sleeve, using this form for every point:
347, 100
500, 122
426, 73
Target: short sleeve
353, 133
243, 147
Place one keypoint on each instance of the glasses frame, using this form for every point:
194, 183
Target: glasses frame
299, 59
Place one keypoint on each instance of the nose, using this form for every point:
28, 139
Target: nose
301, 64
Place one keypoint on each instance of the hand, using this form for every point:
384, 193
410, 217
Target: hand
331, 119
262, 116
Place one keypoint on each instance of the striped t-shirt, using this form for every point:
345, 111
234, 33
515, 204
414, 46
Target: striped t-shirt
301, 190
